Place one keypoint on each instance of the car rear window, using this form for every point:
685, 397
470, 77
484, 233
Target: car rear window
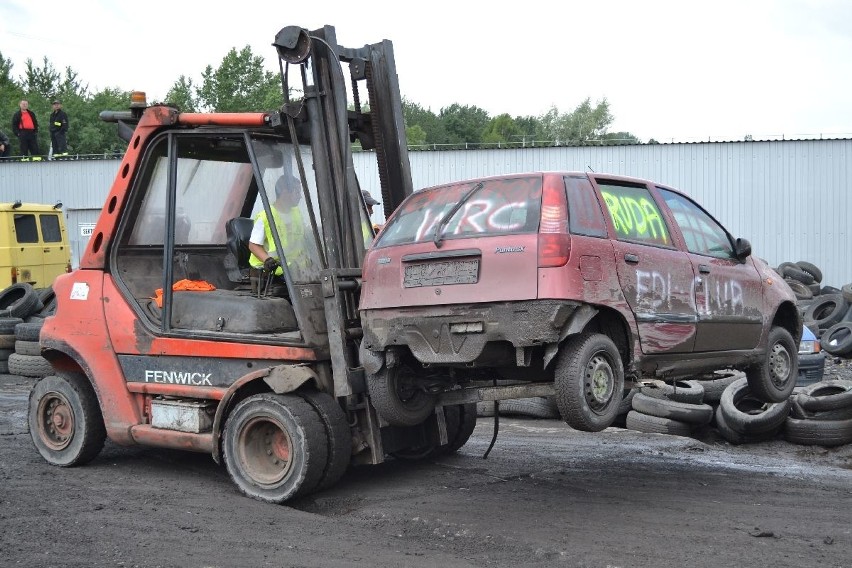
496, 207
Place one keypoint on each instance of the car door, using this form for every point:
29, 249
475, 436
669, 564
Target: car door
728, 293
655, 276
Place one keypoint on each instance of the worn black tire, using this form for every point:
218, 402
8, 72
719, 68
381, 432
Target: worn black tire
29, 365
818, 432
811, 269
748, 414
47, 297
397, 399
689, 392
830, 290
774, 378
589, 381
715, 383
8, 325
825, 311
19, 301
626, 404
274, 423
793, 271
826, 395
26, 348
466, 426
641, 422
796, 411
65, 420
735, 437
337, 433
846, 292
536, 407
801, 290
837, 339
28, 331
694, 414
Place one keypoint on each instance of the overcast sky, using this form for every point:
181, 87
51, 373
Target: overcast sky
671, 70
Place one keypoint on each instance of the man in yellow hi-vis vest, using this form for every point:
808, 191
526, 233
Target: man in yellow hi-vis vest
290, 225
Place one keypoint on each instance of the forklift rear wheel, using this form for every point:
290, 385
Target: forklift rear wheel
338, 435
589, 382
397, 397
65, 420
275, 447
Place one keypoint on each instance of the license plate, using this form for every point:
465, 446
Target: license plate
442, 273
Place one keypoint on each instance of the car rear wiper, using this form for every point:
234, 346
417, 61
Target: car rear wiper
439, 230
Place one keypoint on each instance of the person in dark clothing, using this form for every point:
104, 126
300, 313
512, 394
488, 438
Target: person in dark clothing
25, 127
58, 128
5, 146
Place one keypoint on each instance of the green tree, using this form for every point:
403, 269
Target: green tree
239, 84
583, 125
182, 95
415, 135
432, 127
501, 129
464, 123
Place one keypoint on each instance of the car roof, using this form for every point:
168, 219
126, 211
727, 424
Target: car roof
542, 173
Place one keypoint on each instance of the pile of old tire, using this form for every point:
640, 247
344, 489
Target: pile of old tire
804, 278
836, 330
821, 415
742, 418
18, 304
662, 408
27, 360
7, 341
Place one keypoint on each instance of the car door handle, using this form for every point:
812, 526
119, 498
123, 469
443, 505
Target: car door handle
703, 269
631, 258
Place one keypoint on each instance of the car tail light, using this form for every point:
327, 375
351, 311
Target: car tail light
554, 242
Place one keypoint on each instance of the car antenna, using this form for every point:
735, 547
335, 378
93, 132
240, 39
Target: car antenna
590, 169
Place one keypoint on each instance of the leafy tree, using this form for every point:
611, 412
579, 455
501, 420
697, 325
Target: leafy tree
182, 95
239, 84
463, 123
584, 124
616, 138
501, 129
432, 127
415, 135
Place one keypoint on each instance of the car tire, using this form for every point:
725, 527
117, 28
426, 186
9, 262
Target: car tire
626, 404
826, 395
774, 378
837, 340
735, 437
750, 415
715, 383
19, 301
793, 271
641, 422
811, 269
397, 399
801, 290
826, 311
690, 413
846, 292
686, 391
818, 432
589, 381
796, 411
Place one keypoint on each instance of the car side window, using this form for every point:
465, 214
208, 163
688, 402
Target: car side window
634, 214
584, 212
703, 235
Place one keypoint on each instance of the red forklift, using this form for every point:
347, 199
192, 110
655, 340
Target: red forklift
168, 336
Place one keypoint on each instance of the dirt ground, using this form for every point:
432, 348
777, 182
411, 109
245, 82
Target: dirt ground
546, 496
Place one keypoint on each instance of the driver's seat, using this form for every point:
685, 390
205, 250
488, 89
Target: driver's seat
238, 233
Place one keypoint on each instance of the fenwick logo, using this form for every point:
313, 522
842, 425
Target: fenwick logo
509, 249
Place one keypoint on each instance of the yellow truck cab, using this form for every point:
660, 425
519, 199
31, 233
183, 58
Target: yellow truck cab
33, 244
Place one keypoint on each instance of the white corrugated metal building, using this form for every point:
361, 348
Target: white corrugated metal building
791, 198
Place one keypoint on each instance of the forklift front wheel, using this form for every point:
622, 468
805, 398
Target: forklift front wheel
398, 398
275, 447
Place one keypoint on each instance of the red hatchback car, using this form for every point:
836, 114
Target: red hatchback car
571, 278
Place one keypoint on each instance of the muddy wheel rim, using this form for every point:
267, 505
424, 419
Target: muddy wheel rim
779, 365
405, 386
599, 382
265, 451
55, 421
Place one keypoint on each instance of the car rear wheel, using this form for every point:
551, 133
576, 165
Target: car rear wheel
398, 398
589, 382
773, 379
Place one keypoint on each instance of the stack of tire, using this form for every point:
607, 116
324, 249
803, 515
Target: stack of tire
821, 415
826, 310
663, 408
22, 313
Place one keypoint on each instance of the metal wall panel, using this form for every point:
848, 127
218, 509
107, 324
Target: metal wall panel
791, 198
